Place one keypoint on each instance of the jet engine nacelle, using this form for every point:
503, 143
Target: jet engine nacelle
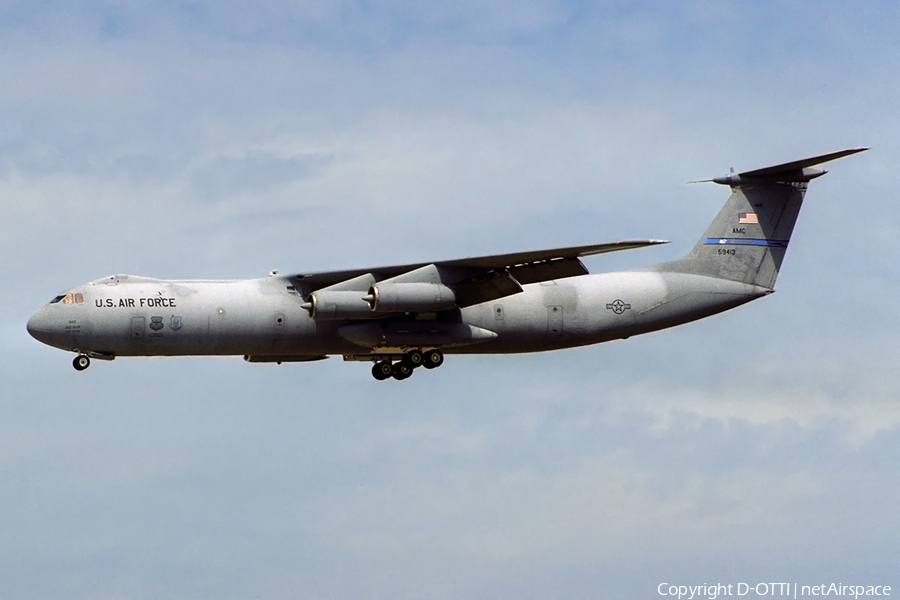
410, 297
326, 305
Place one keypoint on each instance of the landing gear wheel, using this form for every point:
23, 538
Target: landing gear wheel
382, 370
81, 362
433, 359
415, 358
401, 370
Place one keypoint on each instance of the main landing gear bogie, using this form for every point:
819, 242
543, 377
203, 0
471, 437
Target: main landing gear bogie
403, 368
81, 362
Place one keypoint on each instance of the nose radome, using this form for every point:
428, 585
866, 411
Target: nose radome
39, 326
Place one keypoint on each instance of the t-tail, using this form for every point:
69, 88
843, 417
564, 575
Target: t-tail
748, 239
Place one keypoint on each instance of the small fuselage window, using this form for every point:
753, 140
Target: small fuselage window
69, 299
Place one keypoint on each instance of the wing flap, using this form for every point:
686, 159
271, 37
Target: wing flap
486, 287
559, 268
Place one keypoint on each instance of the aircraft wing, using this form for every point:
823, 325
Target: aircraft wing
473, 280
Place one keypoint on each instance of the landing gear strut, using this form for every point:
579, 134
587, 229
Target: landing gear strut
404, 367
81, 362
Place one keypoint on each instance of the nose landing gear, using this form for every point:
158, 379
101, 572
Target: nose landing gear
403, 368
81, 362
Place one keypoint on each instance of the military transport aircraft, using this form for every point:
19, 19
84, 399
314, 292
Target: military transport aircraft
408, 316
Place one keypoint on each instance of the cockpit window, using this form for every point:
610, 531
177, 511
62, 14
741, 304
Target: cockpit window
69, 299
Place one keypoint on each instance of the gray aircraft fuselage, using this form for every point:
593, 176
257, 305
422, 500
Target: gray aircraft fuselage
135, 316
402, 317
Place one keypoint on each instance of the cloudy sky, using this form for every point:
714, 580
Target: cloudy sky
225, 139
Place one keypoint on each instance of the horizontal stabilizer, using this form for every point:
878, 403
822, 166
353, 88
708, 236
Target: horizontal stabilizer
794, 171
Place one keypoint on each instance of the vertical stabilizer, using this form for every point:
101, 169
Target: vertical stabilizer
749, 237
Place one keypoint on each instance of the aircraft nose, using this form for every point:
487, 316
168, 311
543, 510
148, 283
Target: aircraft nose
39, 326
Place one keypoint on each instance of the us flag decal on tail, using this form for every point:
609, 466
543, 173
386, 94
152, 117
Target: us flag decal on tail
747, 218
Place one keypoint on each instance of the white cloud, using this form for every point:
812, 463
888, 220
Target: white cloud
860, 403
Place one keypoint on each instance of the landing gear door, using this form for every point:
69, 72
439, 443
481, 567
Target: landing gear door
137, 328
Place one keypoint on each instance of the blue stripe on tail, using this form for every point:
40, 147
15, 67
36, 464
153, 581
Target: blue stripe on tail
745, 242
